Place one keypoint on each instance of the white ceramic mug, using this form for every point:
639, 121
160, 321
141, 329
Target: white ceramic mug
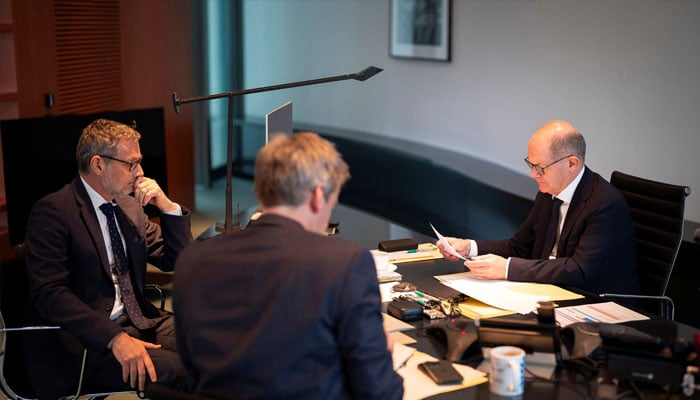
507, 370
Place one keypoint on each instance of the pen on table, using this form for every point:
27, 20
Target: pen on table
427, 296
414, 299
420, 250
405, 362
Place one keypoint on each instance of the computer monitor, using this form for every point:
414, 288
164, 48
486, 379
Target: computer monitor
39, 157
278, 120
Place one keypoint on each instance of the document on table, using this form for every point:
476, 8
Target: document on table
607, 312
388, 274
393, 324
385, 291
395, 328
417, 385
401, 354
473, 308
402, 338
424, 251
520, 297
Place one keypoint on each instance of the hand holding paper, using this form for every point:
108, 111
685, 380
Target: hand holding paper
488, 266
446, 244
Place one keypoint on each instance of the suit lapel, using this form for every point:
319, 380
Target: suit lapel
581, 195
87, 213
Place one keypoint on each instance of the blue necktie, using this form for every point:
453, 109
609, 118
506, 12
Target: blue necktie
122, 271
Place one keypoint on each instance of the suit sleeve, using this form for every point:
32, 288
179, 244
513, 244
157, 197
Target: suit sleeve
49, 248
598, 233
165, 241
525, 242
368, 363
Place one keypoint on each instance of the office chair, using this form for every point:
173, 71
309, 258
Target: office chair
15, 307
657, 212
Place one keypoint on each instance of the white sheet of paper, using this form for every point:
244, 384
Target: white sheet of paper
385, 291
417, 385
401, 354
393, 324
446, 244
608, 312
493, 292
400, 337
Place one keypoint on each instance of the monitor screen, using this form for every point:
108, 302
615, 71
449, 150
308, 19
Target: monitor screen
278, 120
39, 157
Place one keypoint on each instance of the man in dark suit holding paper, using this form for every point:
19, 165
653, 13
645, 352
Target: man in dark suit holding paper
579, 232
279, 309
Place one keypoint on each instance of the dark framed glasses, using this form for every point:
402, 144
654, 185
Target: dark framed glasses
132, 165
539, 168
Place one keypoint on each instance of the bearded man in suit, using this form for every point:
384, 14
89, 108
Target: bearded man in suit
91, 283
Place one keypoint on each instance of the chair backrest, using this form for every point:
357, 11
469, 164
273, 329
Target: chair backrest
14, 313
17, 331
657, 212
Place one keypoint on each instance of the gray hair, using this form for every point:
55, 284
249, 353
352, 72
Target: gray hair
569, 143
290, 166
102, 137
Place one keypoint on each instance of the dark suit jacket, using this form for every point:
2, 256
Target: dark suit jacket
275, 311
596, 250
70, 275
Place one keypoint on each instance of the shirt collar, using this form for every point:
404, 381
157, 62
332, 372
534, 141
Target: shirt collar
568, 193
95, 198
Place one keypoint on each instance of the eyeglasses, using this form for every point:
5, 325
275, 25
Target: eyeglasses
539, 168
132, 165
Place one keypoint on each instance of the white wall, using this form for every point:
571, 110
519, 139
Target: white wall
625, 72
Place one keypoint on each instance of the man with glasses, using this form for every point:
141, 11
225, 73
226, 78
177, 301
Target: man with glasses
579, 232
87, 246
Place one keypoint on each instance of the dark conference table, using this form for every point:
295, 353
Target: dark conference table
568, 386
569, 383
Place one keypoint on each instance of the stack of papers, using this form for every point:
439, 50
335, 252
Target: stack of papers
386, 271
418, 385
475, 309
388, 274
608, 312
425, 251
518, 297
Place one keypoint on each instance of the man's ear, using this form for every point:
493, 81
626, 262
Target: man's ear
574, 162
317, 200
97, 164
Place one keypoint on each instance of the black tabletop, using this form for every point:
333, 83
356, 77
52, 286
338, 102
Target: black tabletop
573, 379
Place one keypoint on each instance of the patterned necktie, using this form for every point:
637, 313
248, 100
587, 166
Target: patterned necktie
552, 229
122, 271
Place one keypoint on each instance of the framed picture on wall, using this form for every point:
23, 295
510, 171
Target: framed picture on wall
420, 29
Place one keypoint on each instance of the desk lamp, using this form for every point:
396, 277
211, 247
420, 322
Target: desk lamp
358, 76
